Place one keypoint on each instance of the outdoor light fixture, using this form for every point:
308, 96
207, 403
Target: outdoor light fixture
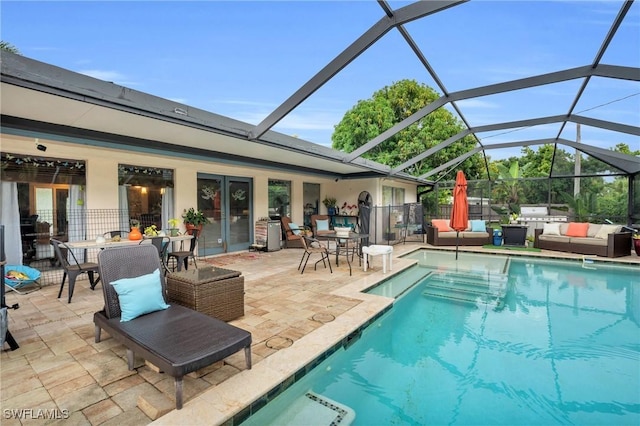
180, 111
40, 147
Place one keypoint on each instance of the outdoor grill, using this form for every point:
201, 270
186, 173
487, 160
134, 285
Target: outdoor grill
536, 217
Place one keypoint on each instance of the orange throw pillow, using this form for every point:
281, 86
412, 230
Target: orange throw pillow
577, 229
441, 224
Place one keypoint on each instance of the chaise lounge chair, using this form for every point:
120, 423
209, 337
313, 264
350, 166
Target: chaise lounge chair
175, 339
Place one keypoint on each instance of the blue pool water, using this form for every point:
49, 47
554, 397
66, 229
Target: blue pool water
541, 342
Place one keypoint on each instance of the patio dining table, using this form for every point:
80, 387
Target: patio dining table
93, 244
354, 238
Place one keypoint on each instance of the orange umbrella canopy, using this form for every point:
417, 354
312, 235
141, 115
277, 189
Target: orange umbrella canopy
460, 211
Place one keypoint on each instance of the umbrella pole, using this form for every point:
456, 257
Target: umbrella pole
457, 237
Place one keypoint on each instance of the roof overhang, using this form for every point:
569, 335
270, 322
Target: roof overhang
39, 98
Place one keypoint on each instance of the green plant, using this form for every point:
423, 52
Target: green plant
194, 217
329, 201
151, 231
174, 222
135, 223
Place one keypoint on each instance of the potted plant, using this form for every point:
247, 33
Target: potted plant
194, 219
135, 233
173, 226
636, 242
330, 204
151, 231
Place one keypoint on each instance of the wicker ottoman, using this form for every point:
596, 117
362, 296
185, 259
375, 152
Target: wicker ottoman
216, 292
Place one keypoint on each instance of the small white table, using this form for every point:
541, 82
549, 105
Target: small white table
378, 250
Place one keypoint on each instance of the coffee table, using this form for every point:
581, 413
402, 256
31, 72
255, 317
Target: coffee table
216, 292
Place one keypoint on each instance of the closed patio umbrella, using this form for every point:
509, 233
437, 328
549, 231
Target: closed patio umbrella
460, 211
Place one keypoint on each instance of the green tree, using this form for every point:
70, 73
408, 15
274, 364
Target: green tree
389, 106
8, 47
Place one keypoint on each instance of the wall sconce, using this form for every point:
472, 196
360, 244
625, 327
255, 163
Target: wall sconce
39, 146
143, 190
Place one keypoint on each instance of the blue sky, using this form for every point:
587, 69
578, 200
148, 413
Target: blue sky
242, 59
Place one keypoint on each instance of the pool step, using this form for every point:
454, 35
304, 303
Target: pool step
468, 288
315, 409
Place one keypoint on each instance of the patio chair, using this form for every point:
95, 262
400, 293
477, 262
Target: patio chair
311, 246
293, 233
162, 245
320, 224
73, 268
182, 256
176, 339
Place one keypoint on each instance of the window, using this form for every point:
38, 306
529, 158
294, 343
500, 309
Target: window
279, 198
146, 194
48, 191
392, 196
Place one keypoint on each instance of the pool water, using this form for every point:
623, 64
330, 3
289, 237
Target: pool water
560, 345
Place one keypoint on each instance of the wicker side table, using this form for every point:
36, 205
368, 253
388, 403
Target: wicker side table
216, 292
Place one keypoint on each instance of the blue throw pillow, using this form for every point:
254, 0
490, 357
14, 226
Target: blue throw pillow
140, 295
294, 228
322, 225
478, 226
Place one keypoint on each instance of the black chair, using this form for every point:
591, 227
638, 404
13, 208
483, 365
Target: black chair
73, 268
162, 245
182, 256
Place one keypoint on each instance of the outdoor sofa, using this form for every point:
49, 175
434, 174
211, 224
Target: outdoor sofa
584, 238
439, 233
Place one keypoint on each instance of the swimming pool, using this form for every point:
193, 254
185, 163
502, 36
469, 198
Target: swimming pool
534, 342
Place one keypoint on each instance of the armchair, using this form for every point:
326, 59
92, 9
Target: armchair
293, 233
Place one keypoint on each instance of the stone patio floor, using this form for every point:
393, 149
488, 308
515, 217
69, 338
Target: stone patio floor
60, 371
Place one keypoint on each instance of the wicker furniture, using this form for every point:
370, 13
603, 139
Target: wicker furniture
465, 238
177, 340
616, 244
216, 292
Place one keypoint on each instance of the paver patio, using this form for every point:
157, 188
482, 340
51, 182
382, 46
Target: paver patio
292, 318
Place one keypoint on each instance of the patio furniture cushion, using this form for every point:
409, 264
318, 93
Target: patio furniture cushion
441, 224
577, 229
478, 226
551, 229
322, 224
140, 295
294, 228
605, 230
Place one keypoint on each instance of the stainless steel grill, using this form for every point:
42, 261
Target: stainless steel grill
536, 217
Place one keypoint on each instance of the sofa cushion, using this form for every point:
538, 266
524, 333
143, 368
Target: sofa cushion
551, 229
589, 241
555, 238
474, 234
605, 230
593, 229
448, 234
478, 226
577, 229
563, 228
441, 224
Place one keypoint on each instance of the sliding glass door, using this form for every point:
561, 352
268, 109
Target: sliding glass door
226, 201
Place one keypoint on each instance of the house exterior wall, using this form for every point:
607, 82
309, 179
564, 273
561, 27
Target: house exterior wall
102, 176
